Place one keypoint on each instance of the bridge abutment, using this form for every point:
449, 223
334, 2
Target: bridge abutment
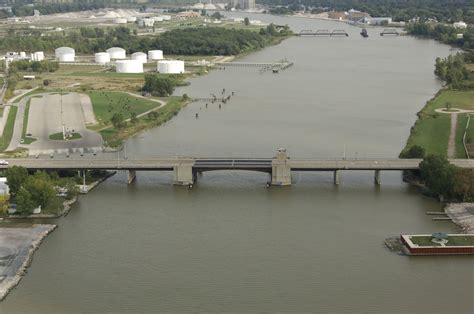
281, 169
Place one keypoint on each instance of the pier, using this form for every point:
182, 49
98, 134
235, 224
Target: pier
389, 31
185, 169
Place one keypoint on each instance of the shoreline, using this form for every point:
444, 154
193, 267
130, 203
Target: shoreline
8, 283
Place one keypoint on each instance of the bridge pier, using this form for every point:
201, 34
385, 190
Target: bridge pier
183, 173
336, 177
377, 177
132, 176
281, 169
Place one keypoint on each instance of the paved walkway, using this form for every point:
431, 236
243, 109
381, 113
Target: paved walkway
452, 136
454, 120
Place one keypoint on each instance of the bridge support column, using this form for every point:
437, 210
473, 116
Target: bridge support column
377, 177
336, 177
281, 170
132, 176
183, 174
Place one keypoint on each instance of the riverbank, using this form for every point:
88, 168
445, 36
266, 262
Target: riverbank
433, 128
462, 214
17, 246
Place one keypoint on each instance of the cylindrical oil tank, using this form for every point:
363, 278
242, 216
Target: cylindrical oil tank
120, 20
140, 56
102, 57
155, 55
170, 66
129, 66
116, 53
65, 54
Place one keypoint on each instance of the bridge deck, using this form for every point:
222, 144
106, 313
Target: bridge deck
205, 164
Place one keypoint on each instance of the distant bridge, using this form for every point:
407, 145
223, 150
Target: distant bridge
323, 32
390, 31
186, 169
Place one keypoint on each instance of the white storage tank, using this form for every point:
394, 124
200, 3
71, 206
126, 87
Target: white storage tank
65, 54
166, 17
22, 54
131, 19
37, 56
171, 66
116, 53
140, 56
120, 20
129, 66
155, 54
102, 57
146, 23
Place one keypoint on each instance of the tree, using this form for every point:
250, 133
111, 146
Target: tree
41, 188
24, 202
16, 176
438, 175
133, 117
72, 189
246, 21
464, 184
159, 86
117, 120
415, 151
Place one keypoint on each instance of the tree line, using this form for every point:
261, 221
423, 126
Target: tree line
400, 10
192, 41
453, 71
445, 33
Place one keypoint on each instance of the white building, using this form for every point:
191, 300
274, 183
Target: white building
146, 22
120, 20
129, 66
116, 53
171, 66
460, 25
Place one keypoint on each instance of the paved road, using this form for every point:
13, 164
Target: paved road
223, 163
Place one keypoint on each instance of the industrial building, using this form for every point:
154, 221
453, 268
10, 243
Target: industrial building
116, 53
155, 55
146, 22
102, 57
129, 66
171, 66
65, 54
37, 56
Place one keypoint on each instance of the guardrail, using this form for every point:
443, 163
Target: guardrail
465, 134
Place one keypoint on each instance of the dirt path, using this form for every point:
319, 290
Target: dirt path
452, 136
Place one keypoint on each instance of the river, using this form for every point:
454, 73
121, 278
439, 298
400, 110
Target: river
229, 244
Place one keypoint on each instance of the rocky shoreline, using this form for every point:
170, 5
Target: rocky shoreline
17, 246
462, 214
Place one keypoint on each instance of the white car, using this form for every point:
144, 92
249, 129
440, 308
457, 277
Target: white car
3, 162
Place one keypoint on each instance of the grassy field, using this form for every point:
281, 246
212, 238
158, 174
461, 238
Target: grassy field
114, 137
431, 130
470, 137
59, 136
106, 104
8, 130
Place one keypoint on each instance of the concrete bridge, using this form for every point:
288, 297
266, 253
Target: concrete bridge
185, 169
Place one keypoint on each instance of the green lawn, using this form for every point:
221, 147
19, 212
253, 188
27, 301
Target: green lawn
114, 137
28, 140
8, 130
458, 99
452, 241
106, 104
431, 130
25, 118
